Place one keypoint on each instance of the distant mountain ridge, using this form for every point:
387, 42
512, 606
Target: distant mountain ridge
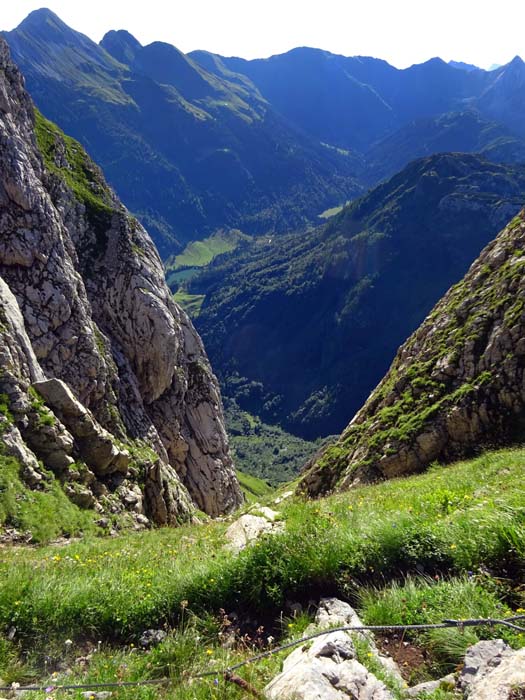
194, 143
461, 65
310, 86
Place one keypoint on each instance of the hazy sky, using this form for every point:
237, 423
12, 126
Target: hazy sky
401, 31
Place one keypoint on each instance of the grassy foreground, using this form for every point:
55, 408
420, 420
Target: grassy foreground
449, 543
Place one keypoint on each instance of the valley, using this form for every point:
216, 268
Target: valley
262, 341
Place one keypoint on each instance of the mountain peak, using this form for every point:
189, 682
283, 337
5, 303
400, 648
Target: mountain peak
516, 64
47, 27
121, 45
41, 17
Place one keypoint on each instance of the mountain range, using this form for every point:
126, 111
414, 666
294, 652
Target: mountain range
193, 143
354, 102
186, 150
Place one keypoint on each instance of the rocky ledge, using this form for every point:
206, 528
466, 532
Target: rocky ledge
104, 382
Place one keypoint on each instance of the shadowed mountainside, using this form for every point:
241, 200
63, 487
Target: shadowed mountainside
454, 388
305, 326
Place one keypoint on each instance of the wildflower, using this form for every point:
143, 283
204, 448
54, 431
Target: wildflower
215, 681
50, 688
209, 652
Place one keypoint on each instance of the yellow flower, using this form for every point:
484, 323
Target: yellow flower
209, 652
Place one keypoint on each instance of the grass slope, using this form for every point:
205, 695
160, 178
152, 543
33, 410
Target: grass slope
191, 303
201, 253
252, 487
46, 514
449, 543
448, 521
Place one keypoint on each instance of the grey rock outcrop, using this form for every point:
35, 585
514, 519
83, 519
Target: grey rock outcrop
328, 667
250, 526
491, 670
103, 374
455, 387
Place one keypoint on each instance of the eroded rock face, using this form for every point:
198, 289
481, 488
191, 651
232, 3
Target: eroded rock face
455, 387
491, 671
106, 379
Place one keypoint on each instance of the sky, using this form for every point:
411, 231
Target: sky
402, 32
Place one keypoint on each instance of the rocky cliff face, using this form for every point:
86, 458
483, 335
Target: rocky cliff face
455, 387
105, 382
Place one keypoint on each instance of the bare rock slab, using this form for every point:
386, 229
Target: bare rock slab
492, 670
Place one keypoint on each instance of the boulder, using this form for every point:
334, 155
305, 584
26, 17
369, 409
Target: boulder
248, 528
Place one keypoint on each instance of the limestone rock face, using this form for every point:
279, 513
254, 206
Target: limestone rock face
105, 378
455, 387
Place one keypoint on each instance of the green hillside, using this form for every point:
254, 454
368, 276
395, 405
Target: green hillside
200, 253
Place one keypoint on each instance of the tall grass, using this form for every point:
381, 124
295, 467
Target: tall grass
468, 517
